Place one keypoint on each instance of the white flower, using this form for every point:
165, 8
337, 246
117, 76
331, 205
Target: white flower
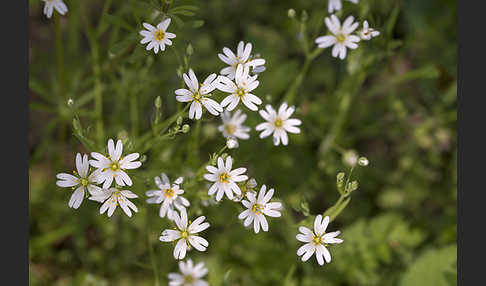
187, 236
341, 36
232, 125
113, 197
113, 167
240, 89
336, 5
191, 274
50, 5
232, 143
169, 196
157, 37
367, 33
199, 95
224, 179
83, 180
278, 123
317, 240
258, 208
242, 57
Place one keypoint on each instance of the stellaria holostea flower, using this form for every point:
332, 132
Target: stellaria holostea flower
114, 197
317, 240
199, 95
242, 57
169, 195
258, 208
186, 236
239, 89
341, 36
82, 179
50, 5
113, 167
191, 275
157, 37
225, 179
278, 123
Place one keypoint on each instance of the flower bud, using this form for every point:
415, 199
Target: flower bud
291, 13
179, 120
363, 161
70, 102
305, 16
158, 102
189, 50
143, 158
232, 143
185, 128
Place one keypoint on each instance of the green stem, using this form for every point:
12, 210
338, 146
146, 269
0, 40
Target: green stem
151, 253
59, 54
292, 91
134, 114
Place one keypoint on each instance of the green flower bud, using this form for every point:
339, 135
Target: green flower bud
158, 102
179, 120
189, 50
291, 13
186, 128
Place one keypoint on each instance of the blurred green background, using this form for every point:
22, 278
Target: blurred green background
392, 100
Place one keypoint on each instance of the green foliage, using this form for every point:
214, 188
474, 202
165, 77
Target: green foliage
393, 100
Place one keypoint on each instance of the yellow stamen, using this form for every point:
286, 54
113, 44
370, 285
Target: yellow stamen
229, 128
188, 280
159, 35
224, 178
196, 96
114, 166
240, 92
84, 182
169, 193
184, 234
340, 38
317, 239
257, 208
278, 123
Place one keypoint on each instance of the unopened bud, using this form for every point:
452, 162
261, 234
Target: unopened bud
189, 50
363, 161
179, 120
143, 158
232, 143
251, 183
186, 128
158, 102
70, 102
291, 13
305, 16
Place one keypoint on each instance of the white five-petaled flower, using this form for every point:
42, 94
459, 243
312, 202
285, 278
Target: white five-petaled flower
83, 180
190, 274
367, 33
258, 208
341, 36
113, 167
278, 123
199, 96
239, 89
187, 236
242, 57
157, 37
232, 125
317, 240
225, 179
336, 5
113, 197
169, 195
50, 5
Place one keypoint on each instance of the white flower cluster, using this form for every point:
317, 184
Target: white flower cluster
108, 169
342, 37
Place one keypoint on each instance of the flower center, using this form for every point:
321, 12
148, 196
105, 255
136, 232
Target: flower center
159, 35
340, 38
84, 182
196, 96
188, 279
184, 234
278, 123
223, 178
317, 239
257, 208
229, 128
169, 193
240, 92
114, 166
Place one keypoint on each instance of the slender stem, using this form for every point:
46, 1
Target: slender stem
292, 91
134, 114
151, 253
59, 53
